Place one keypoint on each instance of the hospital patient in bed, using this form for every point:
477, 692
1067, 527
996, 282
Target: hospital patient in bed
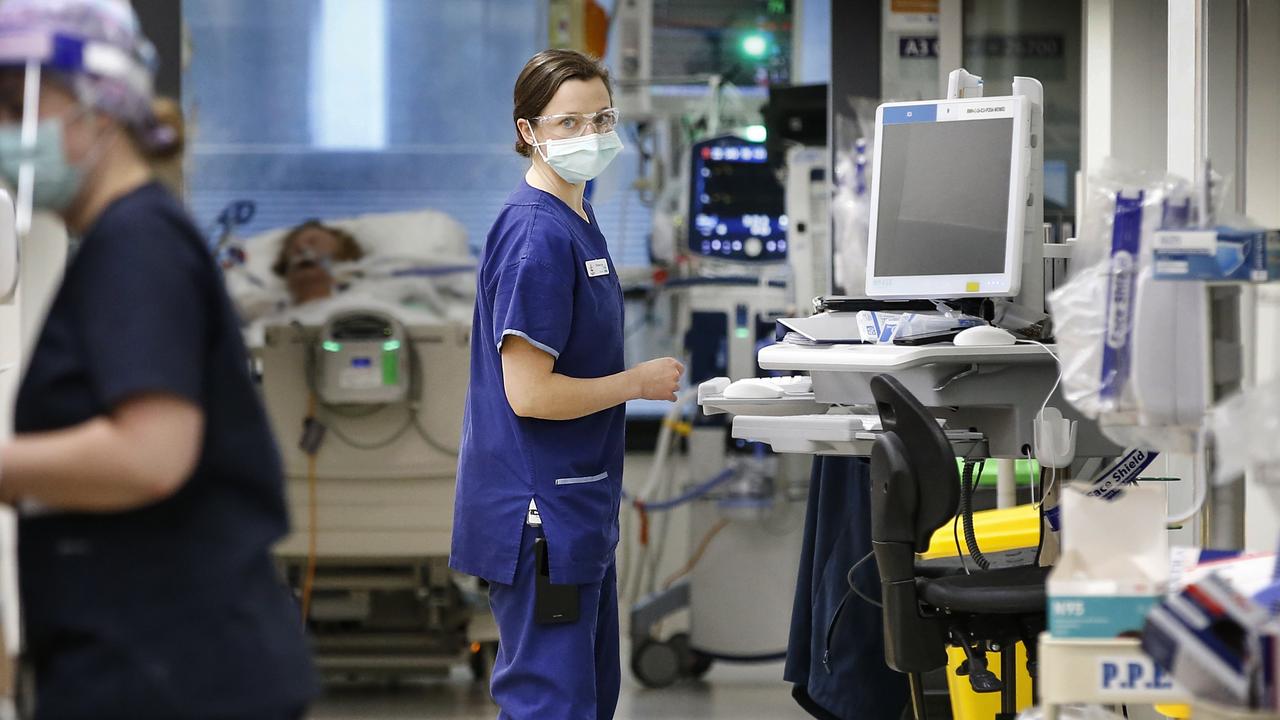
306, 259
413, 265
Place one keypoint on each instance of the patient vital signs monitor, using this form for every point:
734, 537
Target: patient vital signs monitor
948, 198
737, 204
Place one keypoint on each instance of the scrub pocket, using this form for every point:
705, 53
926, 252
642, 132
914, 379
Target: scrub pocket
580, 521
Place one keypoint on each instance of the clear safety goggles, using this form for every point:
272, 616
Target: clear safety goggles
572, 125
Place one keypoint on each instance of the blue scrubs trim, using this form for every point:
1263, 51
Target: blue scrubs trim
555, 672
555, 354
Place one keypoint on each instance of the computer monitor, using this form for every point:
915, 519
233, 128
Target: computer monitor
737, 206
948, 198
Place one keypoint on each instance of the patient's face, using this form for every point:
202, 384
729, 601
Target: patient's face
307, 275
318, 241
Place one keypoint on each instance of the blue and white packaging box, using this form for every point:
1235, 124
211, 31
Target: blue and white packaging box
1224, 254
1114, 565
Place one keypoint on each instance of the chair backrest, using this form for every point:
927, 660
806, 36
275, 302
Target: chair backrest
936, 493
915, 489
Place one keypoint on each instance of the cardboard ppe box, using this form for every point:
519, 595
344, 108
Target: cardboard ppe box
1114, 565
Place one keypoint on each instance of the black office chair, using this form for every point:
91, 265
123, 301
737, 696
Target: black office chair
915, 491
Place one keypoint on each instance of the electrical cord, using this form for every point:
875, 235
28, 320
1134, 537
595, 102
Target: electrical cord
313, 554
1052, 390
1200, 483
432, 442
1040, 528
1036, 478
697, 554
412, 419
968, 484
372, 445
955, 522
955, 534
355, 413
854, 586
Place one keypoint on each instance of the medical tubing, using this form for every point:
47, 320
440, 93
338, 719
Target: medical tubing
635, 576
968, 483
689, 495
663, 448
647, 557
648, 562
657, 548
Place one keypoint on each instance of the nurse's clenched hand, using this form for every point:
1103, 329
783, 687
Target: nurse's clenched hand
658, 379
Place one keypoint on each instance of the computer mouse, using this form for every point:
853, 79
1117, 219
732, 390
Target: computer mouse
984, 336
753, 389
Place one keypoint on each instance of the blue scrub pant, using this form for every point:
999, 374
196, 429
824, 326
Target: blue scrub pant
570, 671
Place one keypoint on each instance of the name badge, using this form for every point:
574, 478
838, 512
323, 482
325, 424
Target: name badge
596, 268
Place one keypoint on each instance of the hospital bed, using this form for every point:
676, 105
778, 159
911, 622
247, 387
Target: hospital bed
372, 507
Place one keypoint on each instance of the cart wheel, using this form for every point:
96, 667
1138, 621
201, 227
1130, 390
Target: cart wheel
481, 661
699, 665
693, 664
655, 664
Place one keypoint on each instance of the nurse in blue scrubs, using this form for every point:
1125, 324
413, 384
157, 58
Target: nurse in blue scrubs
149, 488
540, 474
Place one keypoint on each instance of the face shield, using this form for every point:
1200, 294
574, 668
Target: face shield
100, 73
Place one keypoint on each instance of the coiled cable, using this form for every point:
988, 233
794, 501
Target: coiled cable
969, 483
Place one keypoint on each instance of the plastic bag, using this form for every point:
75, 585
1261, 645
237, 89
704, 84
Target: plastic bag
851, 214
884, 327
1245, 427
1093, 312
1072, 712
851, 202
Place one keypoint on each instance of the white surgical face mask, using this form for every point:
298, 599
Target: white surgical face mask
580, 159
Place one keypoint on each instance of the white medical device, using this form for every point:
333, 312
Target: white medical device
362, 358
949, 198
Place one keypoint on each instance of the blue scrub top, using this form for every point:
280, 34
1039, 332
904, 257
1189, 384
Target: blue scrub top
545, 276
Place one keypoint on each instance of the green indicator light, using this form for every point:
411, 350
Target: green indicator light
331, 346
390, 365
756, 133
743, 333
755, 45
391, 345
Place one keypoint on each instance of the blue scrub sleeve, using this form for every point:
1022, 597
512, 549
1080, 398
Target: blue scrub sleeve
533, 299
145, 315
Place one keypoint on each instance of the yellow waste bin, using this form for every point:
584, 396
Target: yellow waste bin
997, 531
